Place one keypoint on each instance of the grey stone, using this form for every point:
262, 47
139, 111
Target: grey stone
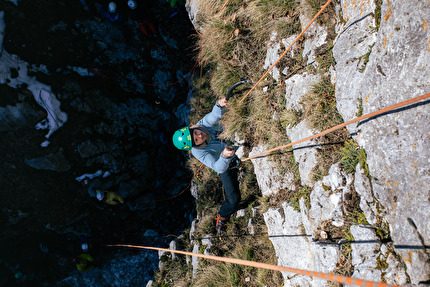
172, 246
194, 190
240, 213
355, 37
397, 145
268, 177
272, 56
53, 161
295, 248
364, 253
369, 256
296, 87
166, 92
305, 154
195, 259
325, 205
368, 204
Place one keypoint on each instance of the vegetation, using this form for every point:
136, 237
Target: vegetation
232, 45
352, 154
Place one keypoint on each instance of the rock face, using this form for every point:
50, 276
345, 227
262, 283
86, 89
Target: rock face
374, 68
397, 144
305, 153
372, 260
295, 248
268, 177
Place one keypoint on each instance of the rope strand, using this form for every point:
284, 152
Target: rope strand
283, 54
322, 275
369, 115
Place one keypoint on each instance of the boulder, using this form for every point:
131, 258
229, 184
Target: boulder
295, 248
268, 176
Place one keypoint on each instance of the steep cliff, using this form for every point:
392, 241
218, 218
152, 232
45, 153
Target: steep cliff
365, 214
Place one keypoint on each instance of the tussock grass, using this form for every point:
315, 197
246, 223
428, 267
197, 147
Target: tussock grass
319, 106
232, 45
352, 154
254, 248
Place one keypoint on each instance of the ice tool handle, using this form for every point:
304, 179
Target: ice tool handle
241, 82
236, 162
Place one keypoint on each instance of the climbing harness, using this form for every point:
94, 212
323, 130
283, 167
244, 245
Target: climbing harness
321, 275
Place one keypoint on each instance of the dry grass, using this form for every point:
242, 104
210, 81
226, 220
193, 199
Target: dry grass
319, 106
232, 45
242, 247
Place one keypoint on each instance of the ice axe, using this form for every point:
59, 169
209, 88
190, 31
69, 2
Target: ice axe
229, 143
241, 82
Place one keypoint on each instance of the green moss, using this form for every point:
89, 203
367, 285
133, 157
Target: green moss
360, 108
378, 16
365, 59
304, 192
352, 154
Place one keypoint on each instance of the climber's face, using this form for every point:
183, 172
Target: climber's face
199, 137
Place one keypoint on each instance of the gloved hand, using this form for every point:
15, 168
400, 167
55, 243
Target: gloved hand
235, 162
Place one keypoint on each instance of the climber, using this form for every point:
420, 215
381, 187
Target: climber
139, 14
201, 140
84, 262
111, 12
109, 197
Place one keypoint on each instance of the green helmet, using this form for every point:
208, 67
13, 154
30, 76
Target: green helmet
182, 139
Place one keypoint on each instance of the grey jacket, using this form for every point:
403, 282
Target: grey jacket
211, 155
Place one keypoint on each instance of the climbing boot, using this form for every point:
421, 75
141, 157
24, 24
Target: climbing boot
220, 223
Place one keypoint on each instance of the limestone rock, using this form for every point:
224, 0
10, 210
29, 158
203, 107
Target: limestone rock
326, 198
53, 161
368, 203
297, 86
397, 145
305, 154
296, 249
372, 260
268, 177
355, 39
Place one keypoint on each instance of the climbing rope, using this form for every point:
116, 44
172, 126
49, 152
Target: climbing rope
286, 51
223, 6
367, 116
321, 275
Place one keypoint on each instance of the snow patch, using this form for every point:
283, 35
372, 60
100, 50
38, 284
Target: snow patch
87, 176
56, 118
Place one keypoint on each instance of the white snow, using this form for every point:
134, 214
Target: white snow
87, 176
41, 92
81, 71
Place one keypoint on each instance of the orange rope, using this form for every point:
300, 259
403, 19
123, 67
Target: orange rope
283, 54
327, 276
223, 6
370, 115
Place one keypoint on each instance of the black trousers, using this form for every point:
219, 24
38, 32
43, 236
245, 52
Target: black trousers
232, 192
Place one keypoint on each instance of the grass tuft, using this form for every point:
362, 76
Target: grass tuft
352, 154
